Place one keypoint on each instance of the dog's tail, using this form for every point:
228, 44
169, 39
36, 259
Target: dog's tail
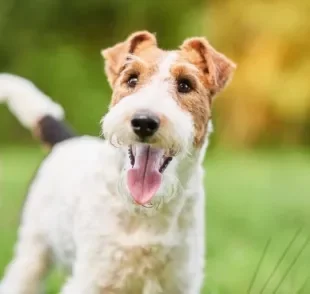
35, 110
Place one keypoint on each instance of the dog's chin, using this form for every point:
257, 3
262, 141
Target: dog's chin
168, 190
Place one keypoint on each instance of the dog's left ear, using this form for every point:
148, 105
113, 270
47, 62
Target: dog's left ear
217, 68
115, 56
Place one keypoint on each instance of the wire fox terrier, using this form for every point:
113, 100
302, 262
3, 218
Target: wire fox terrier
124, 215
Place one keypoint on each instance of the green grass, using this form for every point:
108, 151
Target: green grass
252, 198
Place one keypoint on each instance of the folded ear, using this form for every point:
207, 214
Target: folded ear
217, 68
116, 56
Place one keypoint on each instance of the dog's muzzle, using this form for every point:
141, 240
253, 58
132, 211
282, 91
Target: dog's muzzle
148, 162
145, 124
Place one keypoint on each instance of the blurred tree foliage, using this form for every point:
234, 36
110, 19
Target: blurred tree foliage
56, 44
269, 99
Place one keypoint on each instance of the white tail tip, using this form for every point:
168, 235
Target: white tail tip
26, 101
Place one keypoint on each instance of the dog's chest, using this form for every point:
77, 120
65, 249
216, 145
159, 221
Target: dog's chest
136, 267
141, 269
142, 260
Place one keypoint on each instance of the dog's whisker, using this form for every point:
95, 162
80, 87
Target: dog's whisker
119, 142
111, 140
163, 141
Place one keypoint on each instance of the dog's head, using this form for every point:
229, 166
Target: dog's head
160, 107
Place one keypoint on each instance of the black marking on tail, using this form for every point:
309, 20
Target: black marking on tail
52, 131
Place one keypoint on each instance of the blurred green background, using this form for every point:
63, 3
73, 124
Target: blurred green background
258, 167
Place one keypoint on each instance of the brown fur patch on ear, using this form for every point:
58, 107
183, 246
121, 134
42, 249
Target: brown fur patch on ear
112, 60
217, 67
116, 55
141, 40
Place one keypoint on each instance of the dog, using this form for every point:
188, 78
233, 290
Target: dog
123, 215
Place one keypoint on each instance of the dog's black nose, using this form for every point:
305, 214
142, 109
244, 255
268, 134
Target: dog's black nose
145, 124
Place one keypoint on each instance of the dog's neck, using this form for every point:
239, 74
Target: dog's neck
190, 166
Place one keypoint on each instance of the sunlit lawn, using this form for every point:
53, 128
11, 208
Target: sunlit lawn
252, 198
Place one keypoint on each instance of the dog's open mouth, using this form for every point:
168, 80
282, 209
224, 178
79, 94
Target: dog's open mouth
145, 175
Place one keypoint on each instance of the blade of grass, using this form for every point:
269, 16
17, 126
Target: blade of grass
258, 266
291, 265
281, 259
303, 286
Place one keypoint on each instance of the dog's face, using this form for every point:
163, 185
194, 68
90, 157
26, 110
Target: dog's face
160, 108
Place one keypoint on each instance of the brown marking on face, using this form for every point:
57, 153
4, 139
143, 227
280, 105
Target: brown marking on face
210, 74
196, 102
215, 66
143, 64
207, 70
116, 56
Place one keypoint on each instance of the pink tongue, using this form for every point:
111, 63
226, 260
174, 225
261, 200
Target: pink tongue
144, 178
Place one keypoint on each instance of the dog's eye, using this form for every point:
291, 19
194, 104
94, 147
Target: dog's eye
184, 85
132, 80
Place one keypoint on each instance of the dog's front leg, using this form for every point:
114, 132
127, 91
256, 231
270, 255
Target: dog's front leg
28, 268
80, 285
84, 279
91, 274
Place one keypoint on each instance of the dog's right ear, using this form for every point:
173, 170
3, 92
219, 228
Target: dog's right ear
116, 56
216, 67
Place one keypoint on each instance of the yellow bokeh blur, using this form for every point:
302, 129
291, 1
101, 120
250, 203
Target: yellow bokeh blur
270, 93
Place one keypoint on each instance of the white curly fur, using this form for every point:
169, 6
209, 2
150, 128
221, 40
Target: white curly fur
27, 102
